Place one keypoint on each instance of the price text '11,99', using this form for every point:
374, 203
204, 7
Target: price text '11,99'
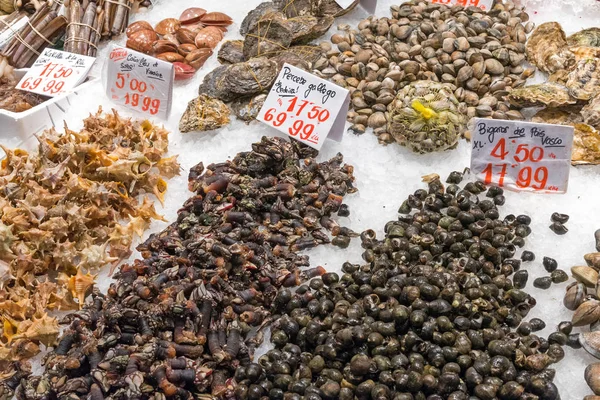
521, 155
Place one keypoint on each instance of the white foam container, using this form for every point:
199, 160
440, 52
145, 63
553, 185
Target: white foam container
17, 129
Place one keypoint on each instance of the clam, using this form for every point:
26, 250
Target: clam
592, 375
171, 38
184, 35
586, 275
167, 25
587, 313
198, 57
208, 37
163, 46
574, 296
142, 41
216, 19
191, 15
171, 56
183, 71
186, 48
138, 26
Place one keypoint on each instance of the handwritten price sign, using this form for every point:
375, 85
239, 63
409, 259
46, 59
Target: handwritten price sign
140, 82
56, 72
305, 107
483, 4
522, 155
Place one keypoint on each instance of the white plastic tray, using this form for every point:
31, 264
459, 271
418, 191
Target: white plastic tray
17, 129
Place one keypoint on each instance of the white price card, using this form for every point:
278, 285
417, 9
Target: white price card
522, 156
369, 5
140, 82
56, 72
306, 107
485, 5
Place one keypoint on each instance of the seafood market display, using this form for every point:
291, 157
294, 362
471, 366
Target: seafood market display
67, 211
186, 42
86, 25
477, 56
174, 323
431, 312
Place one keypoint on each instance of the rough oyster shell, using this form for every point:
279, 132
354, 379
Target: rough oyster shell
425, 117
247, 78
586, 145
256, 15
583, 81
247, 109
204, 113
231, 52
591, 112
559, 116
544, 47
586, 37
267, 38
307, 28
545, 94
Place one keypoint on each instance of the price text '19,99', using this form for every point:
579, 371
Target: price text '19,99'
134, 95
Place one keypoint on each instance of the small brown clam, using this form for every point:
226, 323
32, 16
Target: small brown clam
142, 41
191, 15
592, 377
186, 48
592, 259
590, 341
195, 28
167, 25
184, 35
587, 313
198, 57
137, 26
208, 37
586, 275
216, 19
574, 296
171, 38
171, 57
163, 46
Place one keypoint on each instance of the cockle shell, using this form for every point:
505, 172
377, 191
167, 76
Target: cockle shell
191, 15
545, 94
167, 25
163, 46
184, 35
198, 57
142, 40
171, 57
204, 113
208, 37
544, 45
587, 37
592, 371
186, 48
138, 26
587, 313
216, 19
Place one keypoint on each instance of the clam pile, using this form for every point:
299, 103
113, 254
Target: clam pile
275, 33
175, 324
186, 42
431, 313
66, 212
478, 55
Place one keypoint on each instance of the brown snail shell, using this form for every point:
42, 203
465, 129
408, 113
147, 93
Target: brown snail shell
168, 25
592, 377
163, 46
171, 57
137, 26
142, 40
590, 341
186, 48
208, 37
191, 15
216, 19
587, 313
185, 36
198, 57
574, 296
586, 275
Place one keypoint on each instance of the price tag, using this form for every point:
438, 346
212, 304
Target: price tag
306, 107
483, 4
56, 72
140, 82
369, 5
521, 155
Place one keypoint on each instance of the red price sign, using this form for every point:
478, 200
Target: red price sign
522, 155
56, 72
483, 4
305, 107
140, 82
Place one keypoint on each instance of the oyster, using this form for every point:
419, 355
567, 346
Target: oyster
247, 109
204, 113
583, 81
249, 78
267, 37
558, 116
545, 94
591, 112
425, 117
544, 48
307, 28
256, 15
586, 145
231, 52
587, 37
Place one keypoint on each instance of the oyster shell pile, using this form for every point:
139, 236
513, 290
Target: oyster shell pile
425, 117
60, 220
572, 94
274, 33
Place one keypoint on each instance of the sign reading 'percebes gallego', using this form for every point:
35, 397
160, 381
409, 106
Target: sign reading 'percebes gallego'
523, 156
305, 107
